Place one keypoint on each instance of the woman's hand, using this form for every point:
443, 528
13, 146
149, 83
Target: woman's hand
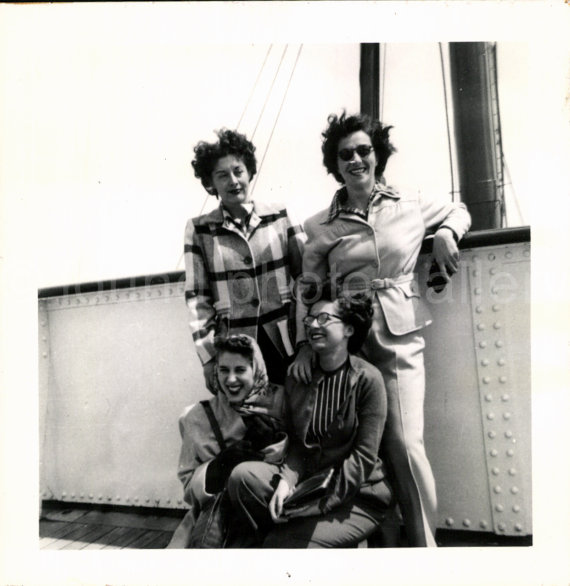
209, 373
276, 503
301, 368
446, 253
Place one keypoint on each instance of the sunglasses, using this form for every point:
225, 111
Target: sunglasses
363, 150
322, 318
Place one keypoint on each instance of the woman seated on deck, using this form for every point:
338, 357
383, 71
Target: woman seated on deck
334, 422
248, 411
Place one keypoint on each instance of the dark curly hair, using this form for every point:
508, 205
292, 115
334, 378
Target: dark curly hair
341, 126
354, 309
235, 344
230, 142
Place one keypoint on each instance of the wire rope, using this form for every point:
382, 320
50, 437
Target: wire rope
449, 147
278, 115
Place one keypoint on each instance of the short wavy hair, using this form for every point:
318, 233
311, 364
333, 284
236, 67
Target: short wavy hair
354, 309
340, 127
230, 142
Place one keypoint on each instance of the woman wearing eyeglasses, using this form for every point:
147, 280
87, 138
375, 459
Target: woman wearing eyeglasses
369, 240
335, 422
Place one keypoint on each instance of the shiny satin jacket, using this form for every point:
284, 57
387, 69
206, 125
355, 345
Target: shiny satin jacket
352, 440
380, 254
236, 283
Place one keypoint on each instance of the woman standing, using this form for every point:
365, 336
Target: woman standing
334, 423
369, 240
241, 259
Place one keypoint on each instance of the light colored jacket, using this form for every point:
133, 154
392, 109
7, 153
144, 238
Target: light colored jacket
380, 254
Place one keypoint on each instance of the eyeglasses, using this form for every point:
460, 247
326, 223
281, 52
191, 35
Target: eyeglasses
363, 150
322, 318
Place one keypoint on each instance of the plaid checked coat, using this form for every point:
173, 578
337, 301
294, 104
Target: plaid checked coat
235, 283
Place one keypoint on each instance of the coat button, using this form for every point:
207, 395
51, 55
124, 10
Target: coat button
255, 302
247, 260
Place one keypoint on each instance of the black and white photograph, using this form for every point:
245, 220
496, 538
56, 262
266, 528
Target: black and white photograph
284, 276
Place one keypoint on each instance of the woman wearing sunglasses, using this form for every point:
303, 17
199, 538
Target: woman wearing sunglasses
369, 239
334, 424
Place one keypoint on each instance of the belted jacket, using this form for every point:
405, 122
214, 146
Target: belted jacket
237, 282
351, 441
379, 254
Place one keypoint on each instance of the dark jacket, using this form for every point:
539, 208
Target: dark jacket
352, 440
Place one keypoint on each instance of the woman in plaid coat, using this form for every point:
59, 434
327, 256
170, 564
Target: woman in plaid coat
241, 259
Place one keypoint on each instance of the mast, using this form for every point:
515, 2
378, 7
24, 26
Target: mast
477, 132
476, 121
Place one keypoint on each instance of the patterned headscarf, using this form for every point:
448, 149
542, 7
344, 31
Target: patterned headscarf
256, 401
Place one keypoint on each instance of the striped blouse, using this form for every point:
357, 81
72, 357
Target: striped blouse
331, 393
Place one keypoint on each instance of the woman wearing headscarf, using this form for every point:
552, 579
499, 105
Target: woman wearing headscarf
249, 413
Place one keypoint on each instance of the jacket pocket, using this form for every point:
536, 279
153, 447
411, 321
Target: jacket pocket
404, 309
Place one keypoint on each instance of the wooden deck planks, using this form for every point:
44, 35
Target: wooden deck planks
87, 529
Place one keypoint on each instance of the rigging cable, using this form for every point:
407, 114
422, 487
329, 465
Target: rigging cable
277, 117
254, 87
269, 92
499, 144
178, 264
449, 148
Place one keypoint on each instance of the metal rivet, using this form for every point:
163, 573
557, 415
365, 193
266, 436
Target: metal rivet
493, 271
476, 273
506, 416
64, 494
508, 433
474, 258
72, 495
508, 254
499, 508
117, 498
512, 472
147, 500
159, 293
44, 354
167, 501
492, 434
449, 521
501, 526
480, 327
486, 379
43, 323
526, 253
78, 302
516, 508
497, 489
100, 497
485, 362
136, 499
495, 471
510, 453
483, 524
477, 291
503, 379
491, 257
501, 362
490, 416
499, 343
505, 397
482, 344
493, 453
488, 397
497, 325
479, 309
109, 498
107, 298
128, 499
466, 523
518, 526
90, 496
179, 501
496, 307
514, 490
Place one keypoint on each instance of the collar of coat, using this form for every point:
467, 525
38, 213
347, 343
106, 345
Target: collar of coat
340, 198
260, 209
